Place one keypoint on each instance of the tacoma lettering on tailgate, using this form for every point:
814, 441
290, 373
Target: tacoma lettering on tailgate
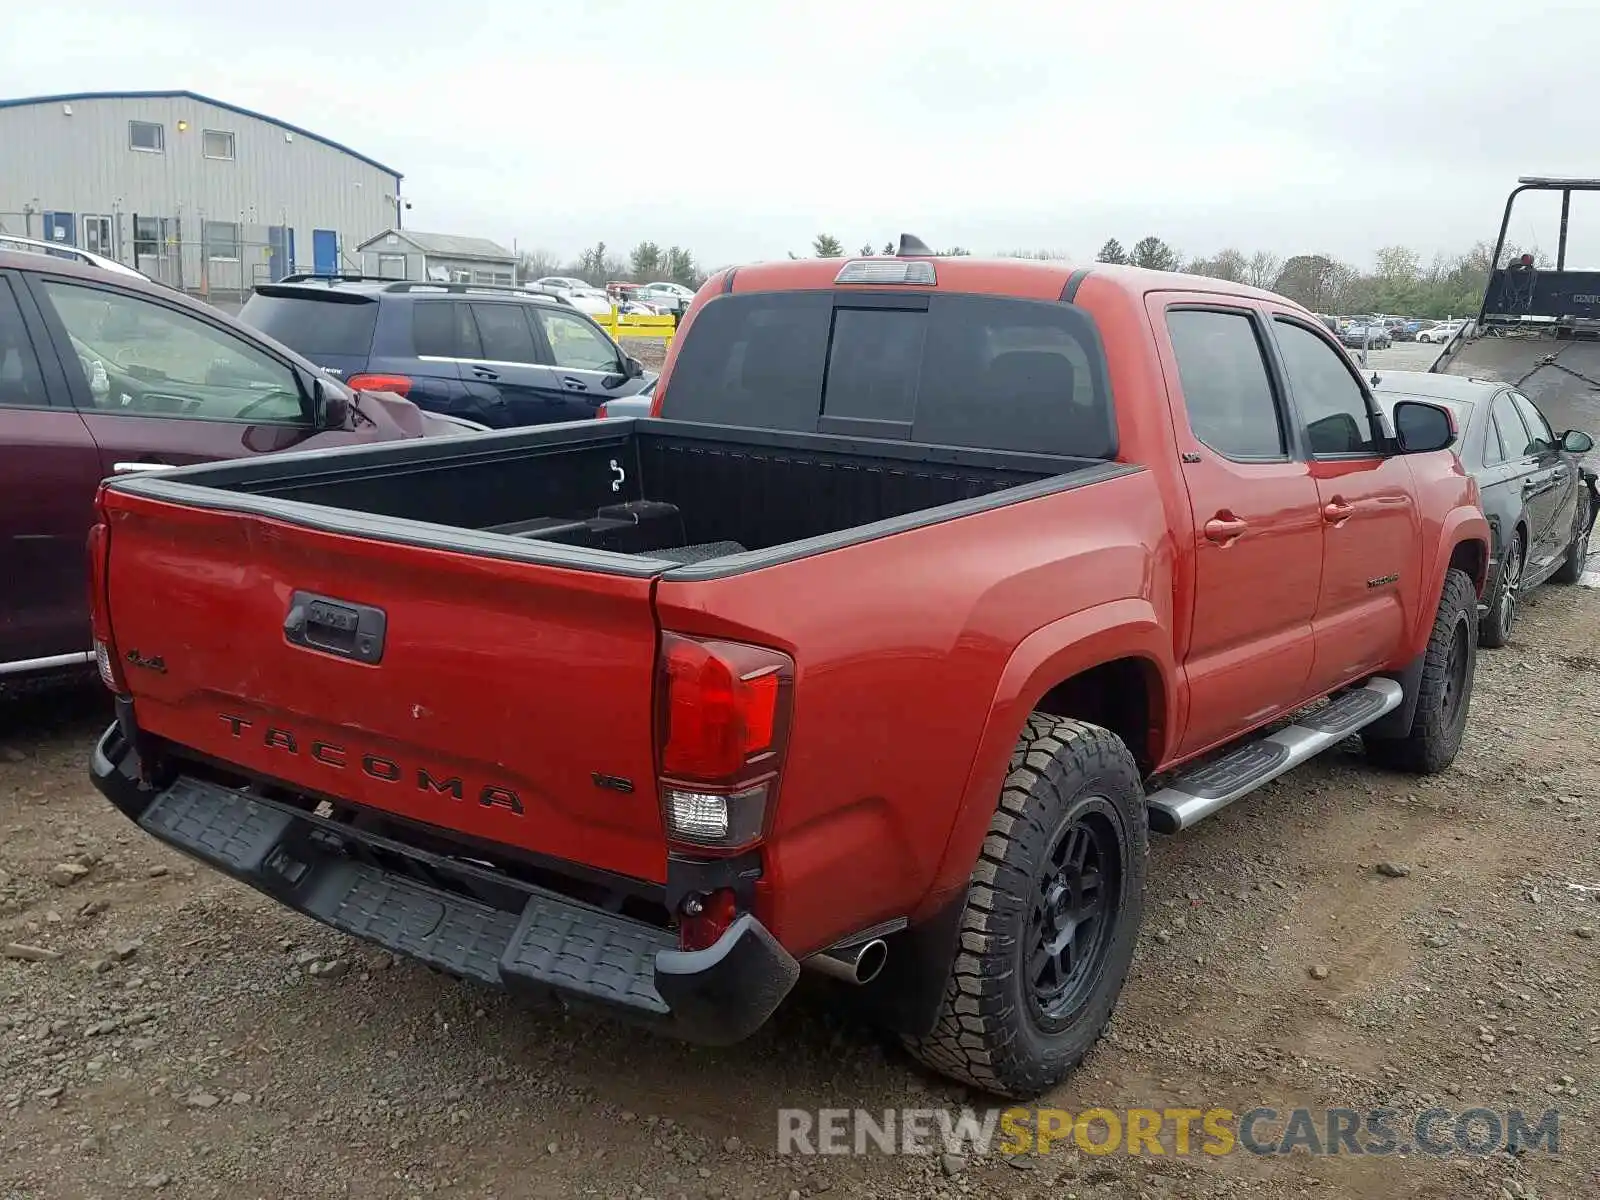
377, 766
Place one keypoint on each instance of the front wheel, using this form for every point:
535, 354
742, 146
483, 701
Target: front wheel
1444, 692
1571, 570
1052, 914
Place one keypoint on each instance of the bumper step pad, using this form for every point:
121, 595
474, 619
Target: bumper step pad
554, 944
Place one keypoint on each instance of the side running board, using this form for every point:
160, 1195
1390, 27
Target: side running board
1201, 791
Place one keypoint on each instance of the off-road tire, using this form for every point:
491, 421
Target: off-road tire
1494, 630
1445, 689
989, 1032
1571, 570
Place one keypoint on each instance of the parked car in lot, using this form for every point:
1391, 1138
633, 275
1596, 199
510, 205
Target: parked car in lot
1372, 334
636, 405
1539, 499
499, 356
1409, 330
106, 373
804, 671
1441, 332
666, 297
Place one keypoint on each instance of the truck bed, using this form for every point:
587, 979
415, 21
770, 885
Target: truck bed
631, 497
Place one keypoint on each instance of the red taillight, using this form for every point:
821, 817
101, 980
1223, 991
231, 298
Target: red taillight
600, 413
105, 650
400, 385
722, 722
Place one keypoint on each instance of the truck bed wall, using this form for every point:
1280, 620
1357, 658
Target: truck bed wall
741, 486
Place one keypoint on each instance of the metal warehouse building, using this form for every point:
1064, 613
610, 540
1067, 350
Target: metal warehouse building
199, 193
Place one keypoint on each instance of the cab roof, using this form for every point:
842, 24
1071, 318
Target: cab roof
1023, 278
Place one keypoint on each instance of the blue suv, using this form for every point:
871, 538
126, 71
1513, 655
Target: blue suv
496, 355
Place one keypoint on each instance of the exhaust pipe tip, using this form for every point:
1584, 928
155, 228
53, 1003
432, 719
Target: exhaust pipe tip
855, 964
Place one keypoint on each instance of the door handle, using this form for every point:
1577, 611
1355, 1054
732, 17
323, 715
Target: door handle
1225, 529
485, 373
1336, 511
1530, 485
574, 385
131, 468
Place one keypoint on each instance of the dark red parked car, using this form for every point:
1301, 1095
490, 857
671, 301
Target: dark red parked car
104, 373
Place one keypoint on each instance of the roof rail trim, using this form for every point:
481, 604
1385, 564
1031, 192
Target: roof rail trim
1069, 290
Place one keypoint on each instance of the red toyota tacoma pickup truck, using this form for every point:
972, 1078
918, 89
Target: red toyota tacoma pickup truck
930, 588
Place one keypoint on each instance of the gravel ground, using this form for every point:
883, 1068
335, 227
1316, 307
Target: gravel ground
165, 1031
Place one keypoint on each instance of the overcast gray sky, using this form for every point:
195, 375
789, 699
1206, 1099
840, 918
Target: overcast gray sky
742, 129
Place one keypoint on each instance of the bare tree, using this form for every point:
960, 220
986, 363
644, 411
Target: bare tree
1262, 268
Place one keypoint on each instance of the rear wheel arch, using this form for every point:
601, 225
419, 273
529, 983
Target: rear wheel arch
1120, 641
1124, 695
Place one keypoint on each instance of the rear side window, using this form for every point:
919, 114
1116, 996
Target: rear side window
1226, 388
976, 371
21, 384
443, 329
313, 325
505, 333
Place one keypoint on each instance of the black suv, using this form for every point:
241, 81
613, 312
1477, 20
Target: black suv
497, 355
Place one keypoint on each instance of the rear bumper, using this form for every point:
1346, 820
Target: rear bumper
586, 955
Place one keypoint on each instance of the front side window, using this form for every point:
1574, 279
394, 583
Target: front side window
1542, 438
147, 136
1517, 438
576, 345
1326, 392
1226, 388
145, 359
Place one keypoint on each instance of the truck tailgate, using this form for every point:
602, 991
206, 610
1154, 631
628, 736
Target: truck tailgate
511, 704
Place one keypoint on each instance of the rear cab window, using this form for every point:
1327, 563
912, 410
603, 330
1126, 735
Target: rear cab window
312, 324
979, 372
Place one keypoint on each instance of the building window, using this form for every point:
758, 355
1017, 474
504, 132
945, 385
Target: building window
146, 236
215, 143
495, 277
146, 136
391, 266
459, 276
222, 240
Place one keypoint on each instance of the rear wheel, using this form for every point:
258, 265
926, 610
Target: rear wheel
1444, 693
1578, 553
1494, 630
1052, 914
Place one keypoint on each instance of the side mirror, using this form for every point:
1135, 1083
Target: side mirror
330, 407
1575, 441
1421, 428
633, 368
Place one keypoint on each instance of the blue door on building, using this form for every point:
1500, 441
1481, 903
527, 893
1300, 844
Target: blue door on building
324, 251
280, 251
60, 227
